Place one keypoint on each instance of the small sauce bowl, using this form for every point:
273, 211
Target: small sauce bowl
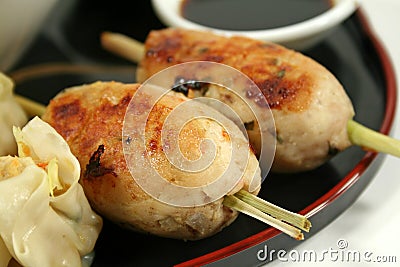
299, 36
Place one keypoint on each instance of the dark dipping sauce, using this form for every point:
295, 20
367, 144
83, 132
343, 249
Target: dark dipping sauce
251, 14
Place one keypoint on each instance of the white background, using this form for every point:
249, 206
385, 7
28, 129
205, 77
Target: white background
372, 223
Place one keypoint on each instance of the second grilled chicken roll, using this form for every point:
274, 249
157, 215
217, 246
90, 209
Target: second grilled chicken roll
90, 118
310, 107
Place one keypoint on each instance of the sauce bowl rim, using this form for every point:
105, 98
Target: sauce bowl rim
169, 12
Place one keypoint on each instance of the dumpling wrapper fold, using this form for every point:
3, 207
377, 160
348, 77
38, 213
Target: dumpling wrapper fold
36, 228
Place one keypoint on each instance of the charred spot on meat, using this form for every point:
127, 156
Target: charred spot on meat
184, 85
94, 168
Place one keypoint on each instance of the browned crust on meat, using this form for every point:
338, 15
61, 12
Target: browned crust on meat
283, 75
70, 113
92, 116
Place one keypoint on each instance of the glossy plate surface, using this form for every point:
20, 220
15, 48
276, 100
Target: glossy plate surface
68, 53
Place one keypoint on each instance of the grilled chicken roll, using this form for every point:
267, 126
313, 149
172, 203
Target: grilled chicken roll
91, 119
310, 107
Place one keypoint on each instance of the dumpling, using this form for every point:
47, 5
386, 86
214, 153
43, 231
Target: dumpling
11, 114
45, 218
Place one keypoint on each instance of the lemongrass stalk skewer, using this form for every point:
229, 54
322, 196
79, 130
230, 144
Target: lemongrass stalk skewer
33, 108
123, 46
30, 107
358, 134
279, 213
243, 207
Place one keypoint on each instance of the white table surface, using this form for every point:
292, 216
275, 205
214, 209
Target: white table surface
372, 224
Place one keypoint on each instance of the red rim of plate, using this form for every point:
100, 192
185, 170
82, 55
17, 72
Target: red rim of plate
351, 178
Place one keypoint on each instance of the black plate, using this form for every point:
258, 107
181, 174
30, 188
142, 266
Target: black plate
68, 52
